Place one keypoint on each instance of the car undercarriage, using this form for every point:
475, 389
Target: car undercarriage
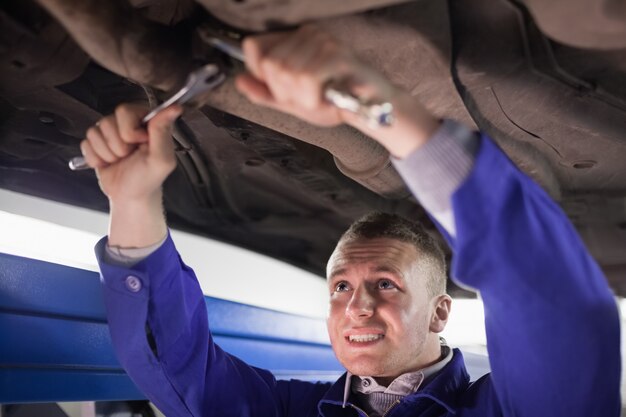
546, 80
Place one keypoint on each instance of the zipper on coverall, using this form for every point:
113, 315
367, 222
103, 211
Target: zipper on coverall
384, 414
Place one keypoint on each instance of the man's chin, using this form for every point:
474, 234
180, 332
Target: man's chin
364, 365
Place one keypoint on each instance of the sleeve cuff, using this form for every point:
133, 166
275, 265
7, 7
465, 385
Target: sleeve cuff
434, 171
128, 257
145, 276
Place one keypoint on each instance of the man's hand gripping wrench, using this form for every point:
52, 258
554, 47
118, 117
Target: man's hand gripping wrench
200, 81
376, 114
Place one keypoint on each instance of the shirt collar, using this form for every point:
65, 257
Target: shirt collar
405, 384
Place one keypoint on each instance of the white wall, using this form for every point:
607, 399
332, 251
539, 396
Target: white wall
64, 234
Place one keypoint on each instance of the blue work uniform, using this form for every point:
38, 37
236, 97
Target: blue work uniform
551, 320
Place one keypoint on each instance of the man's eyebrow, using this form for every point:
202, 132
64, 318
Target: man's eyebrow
390, 269
380, 268
335, 272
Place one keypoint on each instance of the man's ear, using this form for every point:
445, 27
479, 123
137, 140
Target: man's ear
441, 312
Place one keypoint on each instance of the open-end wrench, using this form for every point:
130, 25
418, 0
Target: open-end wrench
199, 81
376, 114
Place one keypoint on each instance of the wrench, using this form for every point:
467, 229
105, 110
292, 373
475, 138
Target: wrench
199, 81
376, 114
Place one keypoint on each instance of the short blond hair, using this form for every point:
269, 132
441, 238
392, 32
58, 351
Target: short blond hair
386, 225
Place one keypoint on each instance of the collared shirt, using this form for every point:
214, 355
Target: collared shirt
376, 399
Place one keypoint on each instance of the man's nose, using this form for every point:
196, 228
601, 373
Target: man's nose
361, 305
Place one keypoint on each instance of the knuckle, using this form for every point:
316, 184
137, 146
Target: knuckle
283, 65
309, 104
128, 115
252, 50
107, 156
312, 95
106, 123
268, 69
274, 65
126, 132
118, 149
126, 135
92, 133
91, 160
255, 99
306, 76
250, 43
307, 82
265, 64
122, 110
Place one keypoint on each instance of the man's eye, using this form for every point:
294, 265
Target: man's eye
385, 284
341, 287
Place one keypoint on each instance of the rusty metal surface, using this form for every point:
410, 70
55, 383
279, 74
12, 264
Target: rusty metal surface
565, 107
260, 15
165, 12
597, 24
135, 52
520, 93
247, 175
119, 38
95, 27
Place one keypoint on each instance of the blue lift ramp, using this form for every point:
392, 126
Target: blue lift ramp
55, 344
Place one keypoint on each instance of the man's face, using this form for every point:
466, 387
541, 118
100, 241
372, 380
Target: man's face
380, 309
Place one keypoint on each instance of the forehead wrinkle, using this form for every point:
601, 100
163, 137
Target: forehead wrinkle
372, 270
388, 254
390, 269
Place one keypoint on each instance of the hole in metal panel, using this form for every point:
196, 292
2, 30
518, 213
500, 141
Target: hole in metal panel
583, 164
254, 162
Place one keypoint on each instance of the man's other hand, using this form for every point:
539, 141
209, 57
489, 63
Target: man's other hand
288, 71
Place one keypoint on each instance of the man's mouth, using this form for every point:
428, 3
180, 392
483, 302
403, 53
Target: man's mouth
365, 338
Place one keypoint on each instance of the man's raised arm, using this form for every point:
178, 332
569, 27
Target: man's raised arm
552, 323
155, 307
131, 169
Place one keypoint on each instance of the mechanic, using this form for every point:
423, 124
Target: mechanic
551, 320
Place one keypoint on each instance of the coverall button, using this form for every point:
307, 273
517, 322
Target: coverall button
366, 382
133, 283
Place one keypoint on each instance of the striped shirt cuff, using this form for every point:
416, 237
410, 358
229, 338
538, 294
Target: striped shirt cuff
128, 257
434, 171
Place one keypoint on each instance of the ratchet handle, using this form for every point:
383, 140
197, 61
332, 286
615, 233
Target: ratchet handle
78, 163
375, 114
